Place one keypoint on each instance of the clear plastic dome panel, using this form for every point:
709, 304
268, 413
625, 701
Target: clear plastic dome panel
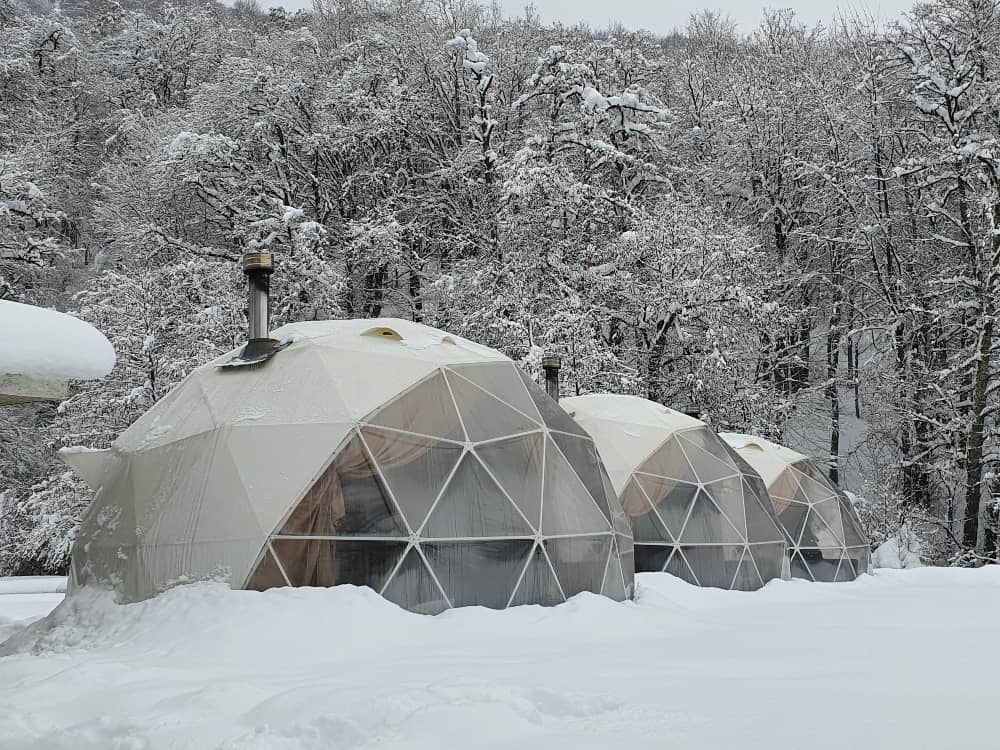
467, 489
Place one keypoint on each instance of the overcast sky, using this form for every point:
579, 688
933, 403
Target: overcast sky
665, 15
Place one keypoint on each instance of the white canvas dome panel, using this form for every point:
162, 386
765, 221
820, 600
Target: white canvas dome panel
825, 539
379, 453
183, 412
696, 509
268, 483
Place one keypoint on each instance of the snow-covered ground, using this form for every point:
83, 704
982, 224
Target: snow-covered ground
24, 599
906, 659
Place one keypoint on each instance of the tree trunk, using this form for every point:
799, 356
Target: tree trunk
974, 445
980, 390
833, 392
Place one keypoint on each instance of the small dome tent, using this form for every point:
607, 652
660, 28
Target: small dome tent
373, 452
826, 542
696, 509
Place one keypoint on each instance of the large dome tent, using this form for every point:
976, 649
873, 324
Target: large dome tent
696, 509
826, 541
374, 452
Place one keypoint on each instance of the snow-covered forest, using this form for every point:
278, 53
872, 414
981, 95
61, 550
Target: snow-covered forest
795, 231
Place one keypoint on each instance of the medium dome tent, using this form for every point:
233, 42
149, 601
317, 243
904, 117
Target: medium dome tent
373, 452
696, 509
826, 542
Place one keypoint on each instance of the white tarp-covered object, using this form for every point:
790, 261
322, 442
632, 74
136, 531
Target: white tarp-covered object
373, 452
826, 541
696, 509
41, 350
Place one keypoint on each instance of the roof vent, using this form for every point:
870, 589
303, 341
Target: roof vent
383, 332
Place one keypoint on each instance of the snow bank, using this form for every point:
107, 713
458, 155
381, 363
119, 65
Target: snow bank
892, 554
47, 344
24, 599
33, 585
795, 664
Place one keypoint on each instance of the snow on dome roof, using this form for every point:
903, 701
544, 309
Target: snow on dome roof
388, 336
767, 458
626, 429
333, 372
629, 409
41, 343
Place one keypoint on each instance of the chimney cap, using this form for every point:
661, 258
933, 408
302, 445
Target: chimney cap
551, 361
692, 409
258, 262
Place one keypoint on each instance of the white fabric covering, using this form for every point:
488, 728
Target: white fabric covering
372, 452
221, 459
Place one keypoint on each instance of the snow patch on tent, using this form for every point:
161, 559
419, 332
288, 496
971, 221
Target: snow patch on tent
42, 343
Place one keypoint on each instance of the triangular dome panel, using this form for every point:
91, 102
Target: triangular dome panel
762, 526
473, 505
708, 467
582, 455
670, 461
552, 414
414, 467
728, 497
747, 578
426, 409
678, 566
267, 574
567, 507
502, 380
348, 499
482, 573
672, 500
486, 417
277, 464
538, 584
516, 464
707, 524
579, 562
412, 586
330, 562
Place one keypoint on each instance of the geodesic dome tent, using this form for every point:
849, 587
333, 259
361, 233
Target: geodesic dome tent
826, 542
696, 509
371, 452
